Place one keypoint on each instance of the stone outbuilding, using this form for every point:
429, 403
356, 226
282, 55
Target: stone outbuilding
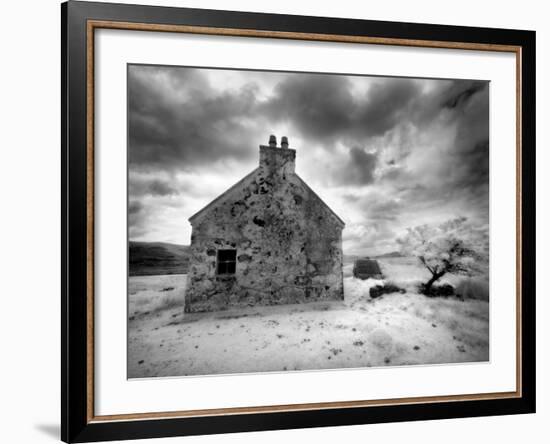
367, 268
268, 240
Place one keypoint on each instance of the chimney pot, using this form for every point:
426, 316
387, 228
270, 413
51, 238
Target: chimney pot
284, 142
272, 141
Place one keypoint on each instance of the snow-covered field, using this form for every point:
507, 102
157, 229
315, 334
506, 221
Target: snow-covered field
396, 329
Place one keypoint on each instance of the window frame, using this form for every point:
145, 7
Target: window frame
225, 263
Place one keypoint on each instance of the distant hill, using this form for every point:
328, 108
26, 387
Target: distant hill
155, 258
351, 258
391, 254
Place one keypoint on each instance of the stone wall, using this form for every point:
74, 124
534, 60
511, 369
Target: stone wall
288, 242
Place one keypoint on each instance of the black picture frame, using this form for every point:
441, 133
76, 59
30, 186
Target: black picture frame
77, 423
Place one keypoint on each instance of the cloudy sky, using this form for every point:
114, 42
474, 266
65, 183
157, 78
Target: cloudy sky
384, 153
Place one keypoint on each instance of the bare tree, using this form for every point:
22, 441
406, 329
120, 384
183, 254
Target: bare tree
454, 247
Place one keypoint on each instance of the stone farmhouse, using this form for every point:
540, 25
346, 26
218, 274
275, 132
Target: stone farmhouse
268, 240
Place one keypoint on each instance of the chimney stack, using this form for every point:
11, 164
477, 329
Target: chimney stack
274, 160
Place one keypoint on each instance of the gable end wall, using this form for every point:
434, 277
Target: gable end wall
288, 242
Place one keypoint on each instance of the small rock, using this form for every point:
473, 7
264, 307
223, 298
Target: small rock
387, 360
438, 290
141, 362
380, 290
416, 347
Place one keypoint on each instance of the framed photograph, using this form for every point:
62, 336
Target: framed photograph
275, 221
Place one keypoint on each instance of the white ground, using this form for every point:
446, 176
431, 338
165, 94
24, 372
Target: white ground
396, 329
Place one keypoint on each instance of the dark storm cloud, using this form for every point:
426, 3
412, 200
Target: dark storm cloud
386, 104
464, 168
161, 188
472, 137
134, 207
358, 169
176, 120
461, 92
445, 95
461, 168
139, 186
319, 106
136, 216
324, 106
394, 151
141, 216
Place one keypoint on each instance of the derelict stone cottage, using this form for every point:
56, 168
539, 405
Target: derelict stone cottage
269, 239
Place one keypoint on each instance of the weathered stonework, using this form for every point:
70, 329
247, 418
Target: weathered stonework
288, 242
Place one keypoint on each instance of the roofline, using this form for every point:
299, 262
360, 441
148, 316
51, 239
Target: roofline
243, 180
221, 196
322, 201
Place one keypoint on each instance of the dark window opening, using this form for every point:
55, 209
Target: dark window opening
227, 261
